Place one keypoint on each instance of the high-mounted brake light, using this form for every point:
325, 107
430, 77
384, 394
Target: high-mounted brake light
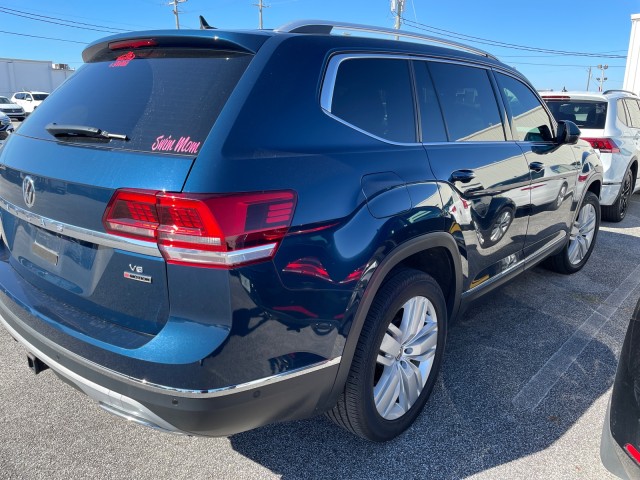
131, 44
605, 145
221, 230
556, 97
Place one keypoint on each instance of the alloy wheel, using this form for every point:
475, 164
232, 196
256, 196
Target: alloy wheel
406, 357
582, 234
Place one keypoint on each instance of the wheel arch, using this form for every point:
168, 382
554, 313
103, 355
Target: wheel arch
435, 254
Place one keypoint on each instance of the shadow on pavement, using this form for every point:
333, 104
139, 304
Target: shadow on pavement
470, 423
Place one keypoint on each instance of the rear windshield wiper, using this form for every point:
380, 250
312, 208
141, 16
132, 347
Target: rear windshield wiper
82, 131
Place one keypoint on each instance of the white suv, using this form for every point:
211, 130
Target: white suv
29, 100
610, 122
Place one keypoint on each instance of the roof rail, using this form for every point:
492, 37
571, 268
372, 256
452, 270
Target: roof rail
323, 27
617, 90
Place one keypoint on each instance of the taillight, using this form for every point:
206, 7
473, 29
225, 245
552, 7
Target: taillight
222, 230
605, 145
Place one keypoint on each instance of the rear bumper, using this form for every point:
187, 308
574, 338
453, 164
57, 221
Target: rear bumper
609, 193
224, 411
613, 457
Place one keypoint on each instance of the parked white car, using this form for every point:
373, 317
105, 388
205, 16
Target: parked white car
6, 127
610, 122
10, 109
29, 100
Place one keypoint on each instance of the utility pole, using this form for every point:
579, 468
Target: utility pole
602, 77
397, 7
176, 12
260, 6
588, 78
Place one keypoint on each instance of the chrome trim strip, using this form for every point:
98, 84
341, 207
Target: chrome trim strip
518, 264
160, 389
83, 234
303, 26
204, 257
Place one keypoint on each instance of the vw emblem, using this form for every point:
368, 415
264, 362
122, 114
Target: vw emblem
28, 191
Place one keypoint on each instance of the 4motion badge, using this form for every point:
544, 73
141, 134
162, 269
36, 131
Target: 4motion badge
135, 273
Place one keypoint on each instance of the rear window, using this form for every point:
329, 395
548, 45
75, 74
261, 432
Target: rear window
585, 114
164, 101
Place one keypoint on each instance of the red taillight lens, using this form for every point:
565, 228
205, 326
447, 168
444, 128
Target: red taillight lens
633, 451
605, 145
208, 230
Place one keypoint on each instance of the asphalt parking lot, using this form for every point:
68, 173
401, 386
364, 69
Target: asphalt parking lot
525, 383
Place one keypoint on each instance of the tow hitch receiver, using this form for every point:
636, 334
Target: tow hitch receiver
35, 364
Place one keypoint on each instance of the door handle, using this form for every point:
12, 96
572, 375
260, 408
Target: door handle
536, 166
463, 176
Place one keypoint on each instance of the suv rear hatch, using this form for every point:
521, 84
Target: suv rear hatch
158, 97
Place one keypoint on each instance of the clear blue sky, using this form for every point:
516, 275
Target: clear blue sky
583, 26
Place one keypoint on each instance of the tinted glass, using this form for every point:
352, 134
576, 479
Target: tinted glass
164, 101
19, 96
374, 94
468, 102
40, 96
431, 120
4, 100
530, 120
622, 113
585, 114
634, 112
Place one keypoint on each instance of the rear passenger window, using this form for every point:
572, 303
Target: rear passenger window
375, 95
634, 112
468, 102
530, 120
431, 120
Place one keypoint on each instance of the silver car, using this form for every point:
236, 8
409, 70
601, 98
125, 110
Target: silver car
610, 122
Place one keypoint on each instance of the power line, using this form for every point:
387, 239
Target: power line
496, 43
7, 10
45, 38
31, 17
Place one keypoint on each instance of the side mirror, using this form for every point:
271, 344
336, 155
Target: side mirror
568, 133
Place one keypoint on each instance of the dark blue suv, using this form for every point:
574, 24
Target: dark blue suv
208, 231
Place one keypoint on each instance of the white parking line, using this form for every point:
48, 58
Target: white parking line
536, 389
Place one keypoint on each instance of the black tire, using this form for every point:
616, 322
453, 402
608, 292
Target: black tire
617, 211
356, 410
561, 262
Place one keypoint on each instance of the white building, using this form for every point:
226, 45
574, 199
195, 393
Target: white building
35, 75
632, 71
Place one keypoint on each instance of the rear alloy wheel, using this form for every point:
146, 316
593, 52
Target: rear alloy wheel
617, 211
397, 358
582, 238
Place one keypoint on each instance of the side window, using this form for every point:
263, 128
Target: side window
530, 120
27, 97
634, 112
19, 96
375, 95
622, 114
431, 121
468, 102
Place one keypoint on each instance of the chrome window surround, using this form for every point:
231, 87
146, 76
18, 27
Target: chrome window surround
329, 83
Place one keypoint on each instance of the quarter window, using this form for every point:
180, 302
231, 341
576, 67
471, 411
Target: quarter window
468, 102
634, 112
622, 114
530, 120
375, 95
